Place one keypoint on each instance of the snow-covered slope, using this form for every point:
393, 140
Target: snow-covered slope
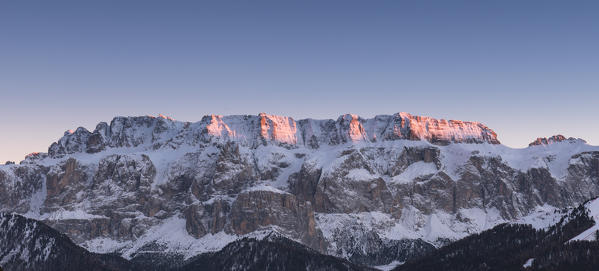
153, 184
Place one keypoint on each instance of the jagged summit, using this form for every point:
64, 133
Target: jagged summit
554, 139
251, 130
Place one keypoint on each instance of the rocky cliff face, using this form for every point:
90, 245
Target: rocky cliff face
350, 187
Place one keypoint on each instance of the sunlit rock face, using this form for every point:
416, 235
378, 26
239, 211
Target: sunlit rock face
351, 129
279, 129
554, 139
446, 131
403, 183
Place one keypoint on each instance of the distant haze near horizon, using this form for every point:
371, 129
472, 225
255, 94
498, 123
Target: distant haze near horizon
525, 69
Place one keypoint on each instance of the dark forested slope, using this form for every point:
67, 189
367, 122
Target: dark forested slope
511, 246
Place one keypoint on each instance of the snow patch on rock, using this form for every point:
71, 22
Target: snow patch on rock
414, 171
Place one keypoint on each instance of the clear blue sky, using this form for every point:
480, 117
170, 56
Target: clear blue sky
524, 68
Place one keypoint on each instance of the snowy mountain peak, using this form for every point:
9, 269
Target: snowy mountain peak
555, 139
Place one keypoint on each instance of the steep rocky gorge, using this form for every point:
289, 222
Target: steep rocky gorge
369, 190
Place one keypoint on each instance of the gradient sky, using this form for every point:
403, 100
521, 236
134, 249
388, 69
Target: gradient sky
524, 68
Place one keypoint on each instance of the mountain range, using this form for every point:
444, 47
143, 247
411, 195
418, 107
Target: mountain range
344, 194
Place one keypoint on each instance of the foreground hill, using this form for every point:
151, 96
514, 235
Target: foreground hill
26, 244
522, 247
271, 253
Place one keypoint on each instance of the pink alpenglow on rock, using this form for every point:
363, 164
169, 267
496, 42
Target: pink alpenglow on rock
279, 129
446, 131
352, 128
217, 127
